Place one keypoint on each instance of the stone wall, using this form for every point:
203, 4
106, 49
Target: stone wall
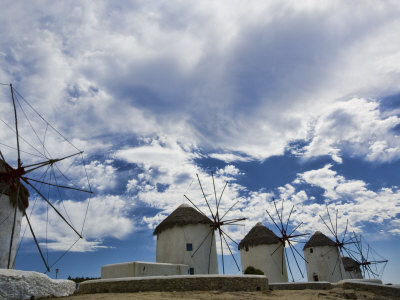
176, 283
320, 285
378, 289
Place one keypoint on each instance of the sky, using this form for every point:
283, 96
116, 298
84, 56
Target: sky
297, 101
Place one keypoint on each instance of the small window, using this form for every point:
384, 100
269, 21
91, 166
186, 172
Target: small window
247, 248
191, 271
311, 250
189, 247
315, 276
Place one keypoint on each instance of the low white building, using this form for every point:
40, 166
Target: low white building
351, 268
187, 237
262, 249
142, 269
8, 203
323, 260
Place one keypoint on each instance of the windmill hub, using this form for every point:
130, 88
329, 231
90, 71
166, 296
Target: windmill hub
12, 176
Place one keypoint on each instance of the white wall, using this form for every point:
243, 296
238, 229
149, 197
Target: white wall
322, 262
353, 275
171, 247
260, 257
142, 269
6, 224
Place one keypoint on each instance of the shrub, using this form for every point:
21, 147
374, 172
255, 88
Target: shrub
252, 270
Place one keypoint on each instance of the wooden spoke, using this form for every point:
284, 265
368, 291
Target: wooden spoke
60, 186
222, 252
220, 197
272, 219
194, 205
231, 252
209, 255
229, 210
16, 126
13, 227
36, 242
205, 198
295, 259
215, 194
280, 245
212, 230
290, 269
287, 223
48, 202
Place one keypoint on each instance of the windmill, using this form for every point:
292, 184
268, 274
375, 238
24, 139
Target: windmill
371, 263
343, 242
218, 221
32, 168
287, 237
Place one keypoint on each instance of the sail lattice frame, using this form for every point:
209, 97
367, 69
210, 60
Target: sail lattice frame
218, 223
43, 169
288, 238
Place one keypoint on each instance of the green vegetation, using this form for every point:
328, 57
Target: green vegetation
81, 279
254, 271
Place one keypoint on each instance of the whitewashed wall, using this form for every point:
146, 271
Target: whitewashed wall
171, 248
142, 269
353, 275
322, 263
260, 257
6, 224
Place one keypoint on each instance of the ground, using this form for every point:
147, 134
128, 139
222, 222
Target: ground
336, 293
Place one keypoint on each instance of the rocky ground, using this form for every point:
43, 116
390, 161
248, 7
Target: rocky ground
336, 293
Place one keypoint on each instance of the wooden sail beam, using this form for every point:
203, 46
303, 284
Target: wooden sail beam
36, 242
229, 210
48, 202
205, 198
48, 162
60, 186
229, 248
202, 242
13, 227
200, 211
16, 126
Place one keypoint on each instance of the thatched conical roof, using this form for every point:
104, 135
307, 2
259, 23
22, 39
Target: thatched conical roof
6, 189
350, 264
182, 216
259, 235
319, 239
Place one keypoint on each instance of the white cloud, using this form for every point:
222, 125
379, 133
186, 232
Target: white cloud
229, 172
352, 198
102, 176
229, 157
114, 209
218, 75
355, 128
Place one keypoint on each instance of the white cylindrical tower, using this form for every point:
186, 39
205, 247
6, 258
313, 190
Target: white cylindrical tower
262, 249
9, 206
186, 237
324, 262
351, 268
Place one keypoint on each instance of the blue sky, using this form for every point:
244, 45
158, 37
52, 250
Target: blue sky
298, 101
